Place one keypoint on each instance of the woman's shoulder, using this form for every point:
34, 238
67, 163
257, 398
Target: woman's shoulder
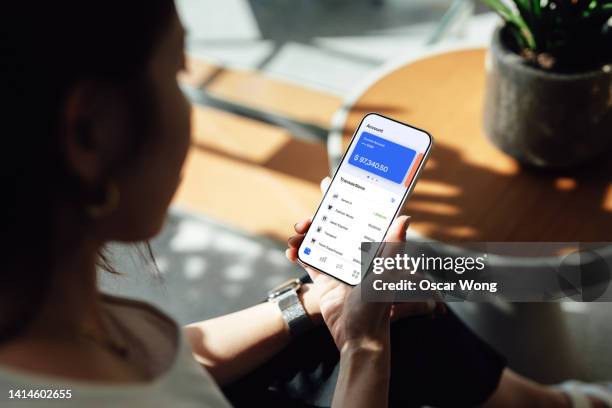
176, 379
150, 338
131, 303
154, 336
139, 315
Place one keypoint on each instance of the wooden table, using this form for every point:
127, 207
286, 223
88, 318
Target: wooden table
254, 176
470, 190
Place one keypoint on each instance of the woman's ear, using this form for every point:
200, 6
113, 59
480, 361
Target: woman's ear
92, 129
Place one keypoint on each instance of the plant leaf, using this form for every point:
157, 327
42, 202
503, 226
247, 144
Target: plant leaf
512, 17
536, 8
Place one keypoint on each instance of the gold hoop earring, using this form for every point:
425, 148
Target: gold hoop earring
110, 204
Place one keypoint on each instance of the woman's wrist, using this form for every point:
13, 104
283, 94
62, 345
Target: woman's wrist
365, 346
311, 303
364, 374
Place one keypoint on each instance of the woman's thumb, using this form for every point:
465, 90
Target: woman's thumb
397, 232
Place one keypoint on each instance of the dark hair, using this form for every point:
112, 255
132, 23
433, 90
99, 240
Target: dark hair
45, 49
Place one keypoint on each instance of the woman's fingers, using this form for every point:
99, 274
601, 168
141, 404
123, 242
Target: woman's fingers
302, 226
397, 231
325, 184
295, 241
291, 254
314, 275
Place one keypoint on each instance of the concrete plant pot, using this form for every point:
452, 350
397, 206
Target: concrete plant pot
542, 118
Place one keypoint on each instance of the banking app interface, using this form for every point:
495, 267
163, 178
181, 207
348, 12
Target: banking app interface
364, 196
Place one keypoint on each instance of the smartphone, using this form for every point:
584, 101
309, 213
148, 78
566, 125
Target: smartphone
377, 173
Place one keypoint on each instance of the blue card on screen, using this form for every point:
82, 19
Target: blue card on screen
382, 157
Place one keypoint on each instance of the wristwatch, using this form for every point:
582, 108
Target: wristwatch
286, 297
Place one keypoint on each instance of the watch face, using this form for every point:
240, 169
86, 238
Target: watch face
291, 284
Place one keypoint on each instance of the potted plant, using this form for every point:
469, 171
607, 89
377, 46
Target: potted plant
548, 99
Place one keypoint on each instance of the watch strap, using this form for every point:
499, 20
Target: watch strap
293, 312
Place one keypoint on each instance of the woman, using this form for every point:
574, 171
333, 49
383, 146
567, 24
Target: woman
92, 91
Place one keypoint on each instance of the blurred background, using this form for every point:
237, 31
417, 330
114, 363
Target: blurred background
326, 47
324, 44
266, 78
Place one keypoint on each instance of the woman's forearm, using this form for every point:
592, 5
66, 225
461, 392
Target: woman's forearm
232, 345
515, 391
363, 380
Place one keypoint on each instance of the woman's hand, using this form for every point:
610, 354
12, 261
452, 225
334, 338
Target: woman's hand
351, 321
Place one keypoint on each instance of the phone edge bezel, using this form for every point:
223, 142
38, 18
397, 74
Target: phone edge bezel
400, 205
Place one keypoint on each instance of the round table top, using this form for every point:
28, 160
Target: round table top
469, 189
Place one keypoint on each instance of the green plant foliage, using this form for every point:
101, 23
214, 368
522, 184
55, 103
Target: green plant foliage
563, 35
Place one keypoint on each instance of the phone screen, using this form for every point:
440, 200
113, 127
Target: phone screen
369, 188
